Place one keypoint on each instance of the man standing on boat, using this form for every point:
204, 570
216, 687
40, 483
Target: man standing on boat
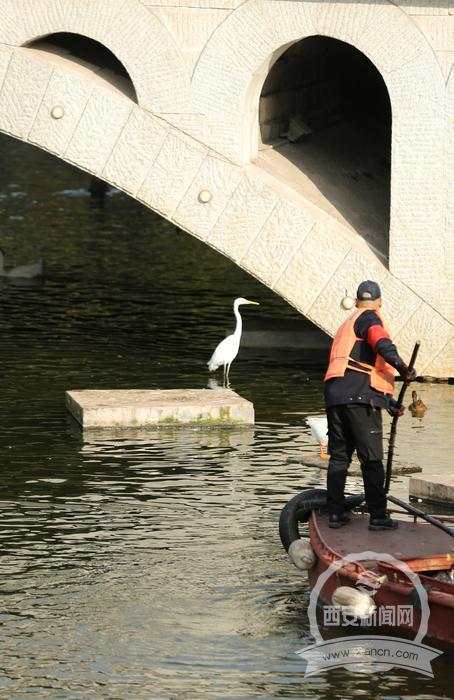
359, 383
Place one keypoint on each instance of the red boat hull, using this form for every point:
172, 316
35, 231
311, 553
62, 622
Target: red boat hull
405, 545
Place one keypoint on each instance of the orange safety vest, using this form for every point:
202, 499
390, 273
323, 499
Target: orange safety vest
381, 374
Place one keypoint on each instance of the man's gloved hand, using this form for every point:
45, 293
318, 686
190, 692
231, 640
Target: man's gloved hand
394, 409
408, 375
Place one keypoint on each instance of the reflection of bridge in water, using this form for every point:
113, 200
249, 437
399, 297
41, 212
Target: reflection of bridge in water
263, 129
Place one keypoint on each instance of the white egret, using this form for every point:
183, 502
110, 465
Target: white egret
228, 348
319, 431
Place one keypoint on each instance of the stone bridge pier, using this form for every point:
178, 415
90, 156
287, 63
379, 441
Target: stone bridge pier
312, 142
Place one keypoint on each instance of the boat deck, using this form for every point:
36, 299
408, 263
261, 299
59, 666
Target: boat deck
410, 540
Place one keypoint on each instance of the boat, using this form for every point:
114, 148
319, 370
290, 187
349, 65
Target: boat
426, 550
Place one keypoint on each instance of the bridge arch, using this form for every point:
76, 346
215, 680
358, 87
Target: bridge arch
324, 123
238, 57
78, 51
136, 36
305, 257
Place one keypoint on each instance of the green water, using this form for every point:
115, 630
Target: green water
149, 565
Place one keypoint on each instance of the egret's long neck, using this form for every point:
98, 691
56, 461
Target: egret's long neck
239, 323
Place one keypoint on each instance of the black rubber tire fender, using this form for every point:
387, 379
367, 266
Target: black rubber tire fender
299, 508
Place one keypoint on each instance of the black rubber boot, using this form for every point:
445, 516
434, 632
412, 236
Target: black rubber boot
338, 520
383, 523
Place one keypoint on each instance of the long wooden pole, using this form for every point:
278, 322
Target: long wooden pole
392, 435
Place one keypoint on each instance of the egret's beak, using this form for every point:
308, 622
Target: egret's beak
255, 303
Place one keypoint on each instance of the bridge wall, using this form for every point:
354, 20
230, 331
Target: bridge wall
198, 69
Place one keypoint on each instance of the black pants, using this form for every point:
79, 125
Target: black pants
356, 427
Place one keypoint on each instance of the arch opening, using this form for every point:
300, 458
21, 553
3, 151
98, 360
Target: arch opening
87, 53
325, 127
41, 193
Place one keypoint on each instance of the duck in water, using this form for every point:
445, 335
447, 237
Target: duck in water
417, 406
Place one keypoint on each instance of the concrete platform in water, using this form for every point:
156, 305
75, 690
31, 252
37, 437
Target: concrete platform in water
135, 408
436, 488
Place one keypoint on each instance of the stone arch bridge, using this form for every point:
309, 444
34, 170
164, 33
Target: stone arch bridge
251, 126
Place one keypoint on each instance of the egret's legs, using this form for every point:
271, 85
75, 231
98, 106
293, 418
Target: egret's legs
228, 374
224, 378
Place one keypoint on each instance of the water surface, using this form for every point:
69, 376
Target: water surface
148, 565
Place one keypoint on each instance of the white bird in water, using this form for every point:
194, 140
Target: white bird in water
22, 271
228, 348
319, 431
